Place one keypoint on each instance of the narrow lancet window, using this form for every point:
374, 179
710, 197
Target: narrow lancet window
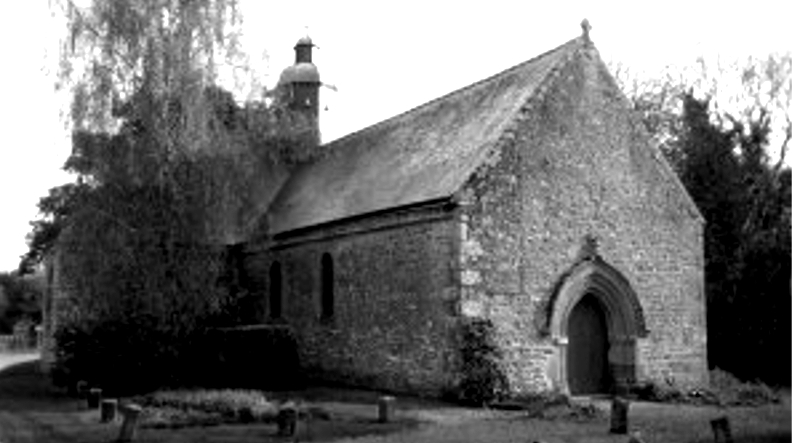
328, 297
275, 292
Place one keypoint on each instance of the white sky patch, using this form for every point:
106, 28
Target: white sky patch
384, 58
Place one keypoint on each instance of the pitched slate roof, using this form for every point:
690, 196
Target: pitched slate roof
424, 154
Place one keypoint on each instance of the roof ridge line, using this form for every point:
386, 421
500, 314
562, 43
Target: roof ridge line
537, 93
466, 88
526, 99
541, 88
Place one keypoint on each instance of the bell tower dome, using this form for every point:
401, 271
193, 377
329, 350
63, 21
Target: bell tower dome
301, 80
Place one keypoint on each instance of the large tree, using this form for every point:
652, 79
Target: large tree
741, 92
746, 202
161, 156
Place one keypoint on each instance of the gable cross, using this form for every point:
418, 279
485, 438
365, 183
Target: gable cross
586, 28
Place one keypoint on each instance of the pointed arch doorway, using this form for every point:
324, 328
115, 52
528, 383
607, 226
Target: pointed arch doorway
595, 318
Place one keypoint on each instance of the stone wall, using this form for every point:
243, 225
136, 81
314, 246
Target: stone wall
394, 286
574, 165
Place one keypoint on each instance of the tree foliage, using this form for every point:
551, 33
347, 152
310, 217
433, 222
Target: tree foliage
163, 159
482, 380
752, 90
720, 145
20, 297
746, 202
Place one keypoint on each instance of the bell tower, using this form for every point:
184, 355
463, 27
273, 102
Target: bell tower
301, 81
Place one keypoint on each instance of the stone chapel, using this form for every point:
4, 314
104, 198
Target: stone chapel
532, 199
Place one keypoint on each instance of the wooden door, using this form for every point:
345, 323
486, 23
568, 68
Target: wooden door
587, 351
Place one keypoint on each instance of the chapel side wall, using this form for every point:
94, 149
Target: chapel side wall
394, 291
576, 164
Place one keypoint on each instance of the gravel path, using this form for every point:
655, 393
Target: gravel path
9, 359
29, 414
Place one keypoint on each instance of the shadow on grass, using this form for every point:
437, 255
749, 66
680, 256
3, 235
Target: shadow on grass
24, 388
40, 412
352, 427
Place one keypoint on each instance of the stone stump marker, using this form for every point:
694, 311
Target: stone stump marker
94, 398
108, 410
635, 437
287, 419
619, 410
131, 414
385, 408
82, 389
721, 430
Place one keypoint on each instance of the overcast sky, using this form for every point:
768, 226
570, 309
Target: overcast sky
383, 57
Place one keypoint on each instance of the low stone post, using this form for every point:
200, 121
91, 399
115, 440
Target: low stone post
108, 410
287, 419
619, 410
94, 398
385, 408
721, 430
131, 414
635, 437
82, 389
38, 332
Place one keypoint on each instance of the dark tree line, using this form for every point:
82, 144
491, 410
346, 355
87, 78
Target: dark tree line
745, 200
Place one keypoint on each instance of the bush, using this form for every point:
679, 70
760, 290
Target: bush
544, 399
725, 390
192, 407
260, 357
733, 392
532, 402
206, 407
572, 411
139, 356
124, 357
164, 417
136, 288
651, 391
550, 405
482, 380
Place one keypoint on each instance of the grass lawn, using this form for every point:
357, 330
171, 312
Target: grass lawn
31, 411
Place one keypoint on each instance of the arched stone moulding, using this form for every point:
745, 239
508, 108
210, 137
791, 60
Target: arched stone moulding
623, 312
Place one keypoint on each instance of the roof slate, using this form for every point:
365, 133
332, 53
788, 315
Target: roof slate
424, 154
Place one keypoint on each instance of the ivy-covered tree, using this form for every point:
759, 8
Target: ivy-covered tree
163, 160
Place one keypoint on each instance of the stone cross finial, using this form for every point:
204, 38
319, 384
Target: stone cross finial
586, 28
